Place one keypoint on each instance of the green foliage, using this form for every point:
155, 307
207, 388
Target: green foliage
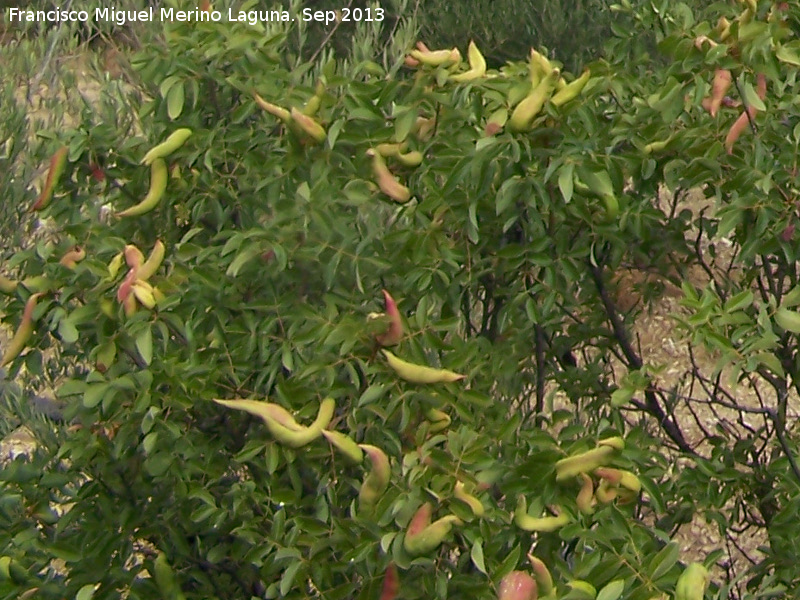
277, 248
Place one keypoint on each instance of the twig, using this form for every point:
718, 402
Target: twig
634, 361
48, 57
328, 37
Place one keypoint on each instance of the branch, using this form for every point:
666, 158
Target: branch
651, 402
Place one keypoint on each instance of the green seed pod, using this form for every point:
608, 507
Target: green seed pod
473, 502
544, 580
585, 462
173, 142
422, 536
544, 524
57, 164
377, 481
158, 185
692, 583
345, 445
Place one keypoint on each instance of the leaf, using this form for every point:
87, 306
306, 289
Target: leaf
751, 97
662, 562
245, 256
287, 581
67, 331
740, 301
565, 181
94, 394
86, 592
506, 195
789, 53
612, 591
404, 123
144, 345
175, 99
371, 394
621, 396
477, 556
769, 360
598, 182
508, 564
167, 84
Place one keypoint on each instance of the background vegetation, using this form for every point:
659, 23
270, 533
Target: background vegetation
505, 265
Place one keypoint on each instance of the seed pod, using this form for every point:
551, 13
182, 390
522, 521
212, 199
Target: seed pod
620, 477
57, 164
437, 58
410, 159
723, 29
23, 333
144, 294
586, 495
345, 445
473, 502
133, 256
175, 140
313, 104
439, 420
420, 520
309, 126
747, 116
423, 128
376, 482
115, 265
158, 185
571, 90
477, 64
585, 462
394, 332
423, 536
391, 583
126, 287
414, 373
298, 439
264, 410
386, 181
72, 257
153, 262
722, 81
517, 585
387, 149
539, 67
129, 305
7, 286
692, 583
526, 111
274, 110
657, 146
615, 442
606, 492
738, 128
544, 580
544, 524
